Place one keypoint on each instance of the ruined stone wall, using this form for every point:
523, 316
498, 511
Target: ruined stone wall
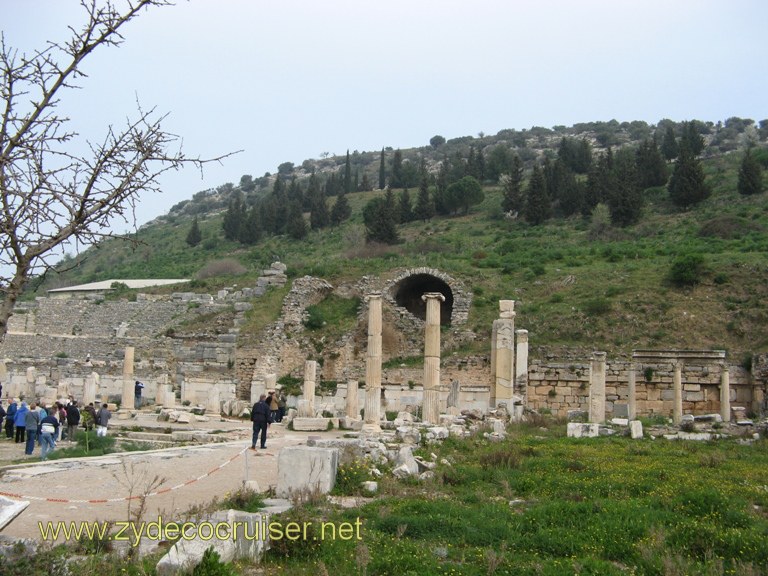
564, 386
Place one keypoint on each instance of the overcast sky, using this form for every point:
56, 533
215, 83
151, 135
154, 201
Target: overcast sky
286, 80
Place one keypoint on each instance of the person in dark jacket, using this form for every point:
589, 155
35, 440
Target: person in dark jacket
9, 417
31, 423
3, 414
73, 420
89, 422
261, 416
20, 423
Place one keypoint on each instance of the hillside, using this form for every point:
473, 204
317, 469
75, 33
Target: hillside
577, 284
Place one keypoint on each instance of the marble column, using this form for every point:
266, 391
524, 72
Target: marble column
521, 363
352, 409
677, 386
597, 388
258, 387
373, 366
504, 365
4, 377
30, 393
270, 382
725, 394
431, 405
306, 406
632, 393
128, 382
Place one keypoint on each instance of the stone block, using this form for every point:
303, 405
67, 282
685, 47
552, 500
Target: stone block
620, 421
310, 424
636, 429
302, 469
408, 434
578, 430
620, 410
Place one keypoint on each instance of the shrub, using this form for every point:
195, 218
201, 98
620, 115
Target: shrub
687, 270
648, 373
223, 267
597, 307
211, 565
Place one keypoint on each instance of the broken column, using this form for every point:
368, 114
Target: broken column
352, 410
521, 365
128, 383
306, 406
90, 388
270, 382
725, 394
373, 365
597, 388
677, 386
632, 393
504, 348
431, 406
258, 387
30, 391
213, 405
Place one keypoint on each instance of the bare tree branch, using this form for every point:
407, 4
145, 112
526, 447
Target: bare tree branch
50, 195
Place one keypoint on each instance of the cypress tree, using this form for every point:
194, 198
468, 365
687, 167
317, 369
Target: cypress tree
251, 231
441, 187
425, 208
382, 172
347, 175
626, 199
365, 184
233, 217
318, 215
651, 167
669, 144
397, 170
379, 222
750, 175
404, 207
194, 236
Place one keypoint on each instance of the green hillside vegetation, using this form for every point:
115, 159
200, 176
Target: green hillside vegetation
603, 268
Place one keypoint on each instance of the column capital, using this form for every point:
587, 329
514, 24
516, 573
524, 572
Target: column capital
599, 356
373, 296
506, 308
431, 295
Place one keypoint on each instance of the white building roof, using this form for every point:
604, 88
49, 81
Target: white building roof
107, 285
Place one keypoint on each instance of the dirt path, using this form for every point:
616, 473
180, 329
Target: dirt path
110, 477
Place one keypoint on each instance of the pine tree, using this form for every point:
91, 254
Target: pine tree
686, 186
513, 187
194, 236
365, 184
404, 207
341, 210
750, 175
251, 231
466, 192
233, 217
692, 137
651, 167
296, 226
382, 171
280, 199
537, 204
425, 207
626, 199
669, 144
379, 222
601, 182
318, 215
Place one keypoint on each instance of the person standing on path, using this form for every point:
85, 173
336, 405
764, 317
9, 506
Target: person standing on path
19, 421
49, 429
102, 420
73, 420
261, 416
9, 417
31, 423
137, 388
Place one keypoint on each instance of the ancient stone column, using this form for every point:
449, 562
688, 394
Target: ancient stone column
270, 382
306, 406
90, 388
128, 383
504, 365
352, 410
169, 396
521, 364
725, 394
373, 365
431, 405
677, 386
258, 387
30, 391
632, 393
597, 388
213, 405
4, 376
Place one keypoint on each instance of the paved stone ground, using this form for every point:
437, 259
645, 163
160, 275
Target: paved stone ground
110, 477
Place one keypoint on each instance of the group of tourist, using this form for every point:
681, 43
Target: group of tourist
47, 425
270, 408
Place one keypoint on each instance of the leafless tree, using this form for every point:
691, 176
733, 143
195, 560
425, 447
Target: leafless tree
50, 194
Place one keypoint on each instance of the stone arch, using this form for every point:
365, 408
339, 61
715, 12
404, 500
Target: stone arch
406, 289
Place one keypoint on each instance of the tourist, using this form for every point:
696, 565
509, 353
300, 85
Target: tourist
102, 420
9, 417
19, 422
3, 413
73, 419
61, 413
31, 423
273, 405
137, 388
261, 416
49, 428
91, 420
